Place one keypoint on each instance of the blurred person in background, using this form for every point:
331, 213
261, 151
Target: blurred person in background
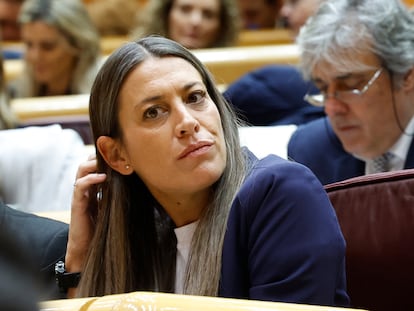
62, 49
113, 17
9, 12
359, 56
296, 12
10, 28
273, 94
259, 14
196, 24
37, 163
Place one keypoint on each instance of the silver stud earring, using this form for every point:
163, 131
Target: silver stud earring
127, 166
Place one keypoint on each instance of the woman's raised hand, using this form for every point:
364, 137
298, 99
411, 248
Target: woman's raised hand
81, 224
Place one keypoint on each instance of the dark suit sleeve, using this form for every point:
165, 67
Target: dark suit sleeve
43, 239
272, 95
283, 241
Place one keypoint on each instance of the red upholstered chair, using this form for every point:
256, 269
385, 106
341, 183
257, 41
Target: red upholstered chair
376, 214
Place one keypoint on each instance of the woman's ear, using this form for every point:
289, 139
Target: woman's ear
114, 155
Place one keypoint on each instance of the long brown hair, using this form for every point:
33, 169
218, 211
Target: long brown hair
134, 246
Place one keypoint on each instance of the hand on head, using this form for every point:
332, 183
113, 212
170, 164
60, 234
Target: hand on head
81, 225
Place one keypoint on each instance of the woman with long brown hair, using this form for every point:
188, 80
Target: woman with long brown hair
172, 203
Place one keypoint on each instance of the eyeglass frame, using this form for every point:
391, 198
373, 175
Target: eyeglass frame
318, 100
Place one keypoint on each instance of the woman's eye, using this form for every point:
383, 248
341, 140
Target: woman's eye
49, 46
152, 113
185, 9
196, 97
209, 15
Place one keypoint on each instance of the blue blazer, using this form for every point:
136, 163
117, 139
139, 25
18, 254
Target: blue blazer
272, 95
283, 242
316, 145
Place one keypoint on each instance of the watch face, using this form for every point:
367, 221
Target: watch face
65, 280
60, 267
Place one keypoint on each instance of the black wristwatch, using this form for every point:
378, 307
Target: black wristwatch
65, 280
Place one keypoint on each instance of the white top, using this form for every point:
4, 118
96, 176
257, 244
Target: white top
38, 166
184, 236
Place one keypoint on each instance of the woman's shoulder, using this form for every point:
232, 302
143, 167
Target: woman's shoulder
275, 179
276, 187
275, 166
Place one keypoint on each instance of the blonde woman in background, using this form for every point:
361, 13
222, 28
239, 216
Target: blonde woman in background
62, 49
193, 23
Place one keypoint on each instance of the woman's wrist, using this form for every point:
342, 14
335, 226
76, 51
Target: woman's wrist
74, 258
65, 279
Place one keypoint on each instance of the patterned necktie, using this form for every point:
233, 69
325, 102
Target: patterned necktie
382, 163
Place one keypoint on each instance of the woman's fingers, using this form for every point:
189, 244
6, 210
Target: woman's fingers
81, 226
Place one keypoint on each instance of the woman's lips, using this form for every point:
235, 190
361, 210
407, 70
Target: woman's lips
195, 149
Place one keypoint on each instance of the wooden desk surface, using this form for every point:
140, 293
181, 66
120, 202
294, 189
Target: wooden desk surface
42, 107
265, 36
161, 301
228, 64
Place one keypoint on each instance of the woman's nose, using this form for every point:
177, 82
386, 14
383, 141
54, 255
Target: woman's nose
32, 53
195, 17
187, 124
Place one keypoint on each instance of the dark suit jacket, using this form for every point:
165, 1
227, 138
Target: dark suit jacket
316, 145
272, 95
283, 241
44, 241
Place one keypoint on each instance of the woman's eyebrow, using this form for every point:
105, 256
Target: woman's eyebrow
192, 84
150, 99
153, 98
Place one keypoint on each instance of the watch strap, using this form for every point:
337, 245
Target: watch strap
65, 280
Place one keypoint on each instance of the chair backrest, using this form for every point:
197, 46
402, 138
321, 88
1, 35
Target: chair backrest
376, 215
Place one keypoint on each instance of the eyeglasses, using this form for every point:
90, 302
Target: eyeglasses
344, 95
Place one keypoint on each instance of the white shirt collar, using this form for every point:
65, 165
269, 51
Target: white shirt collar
401, 147
399, 150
